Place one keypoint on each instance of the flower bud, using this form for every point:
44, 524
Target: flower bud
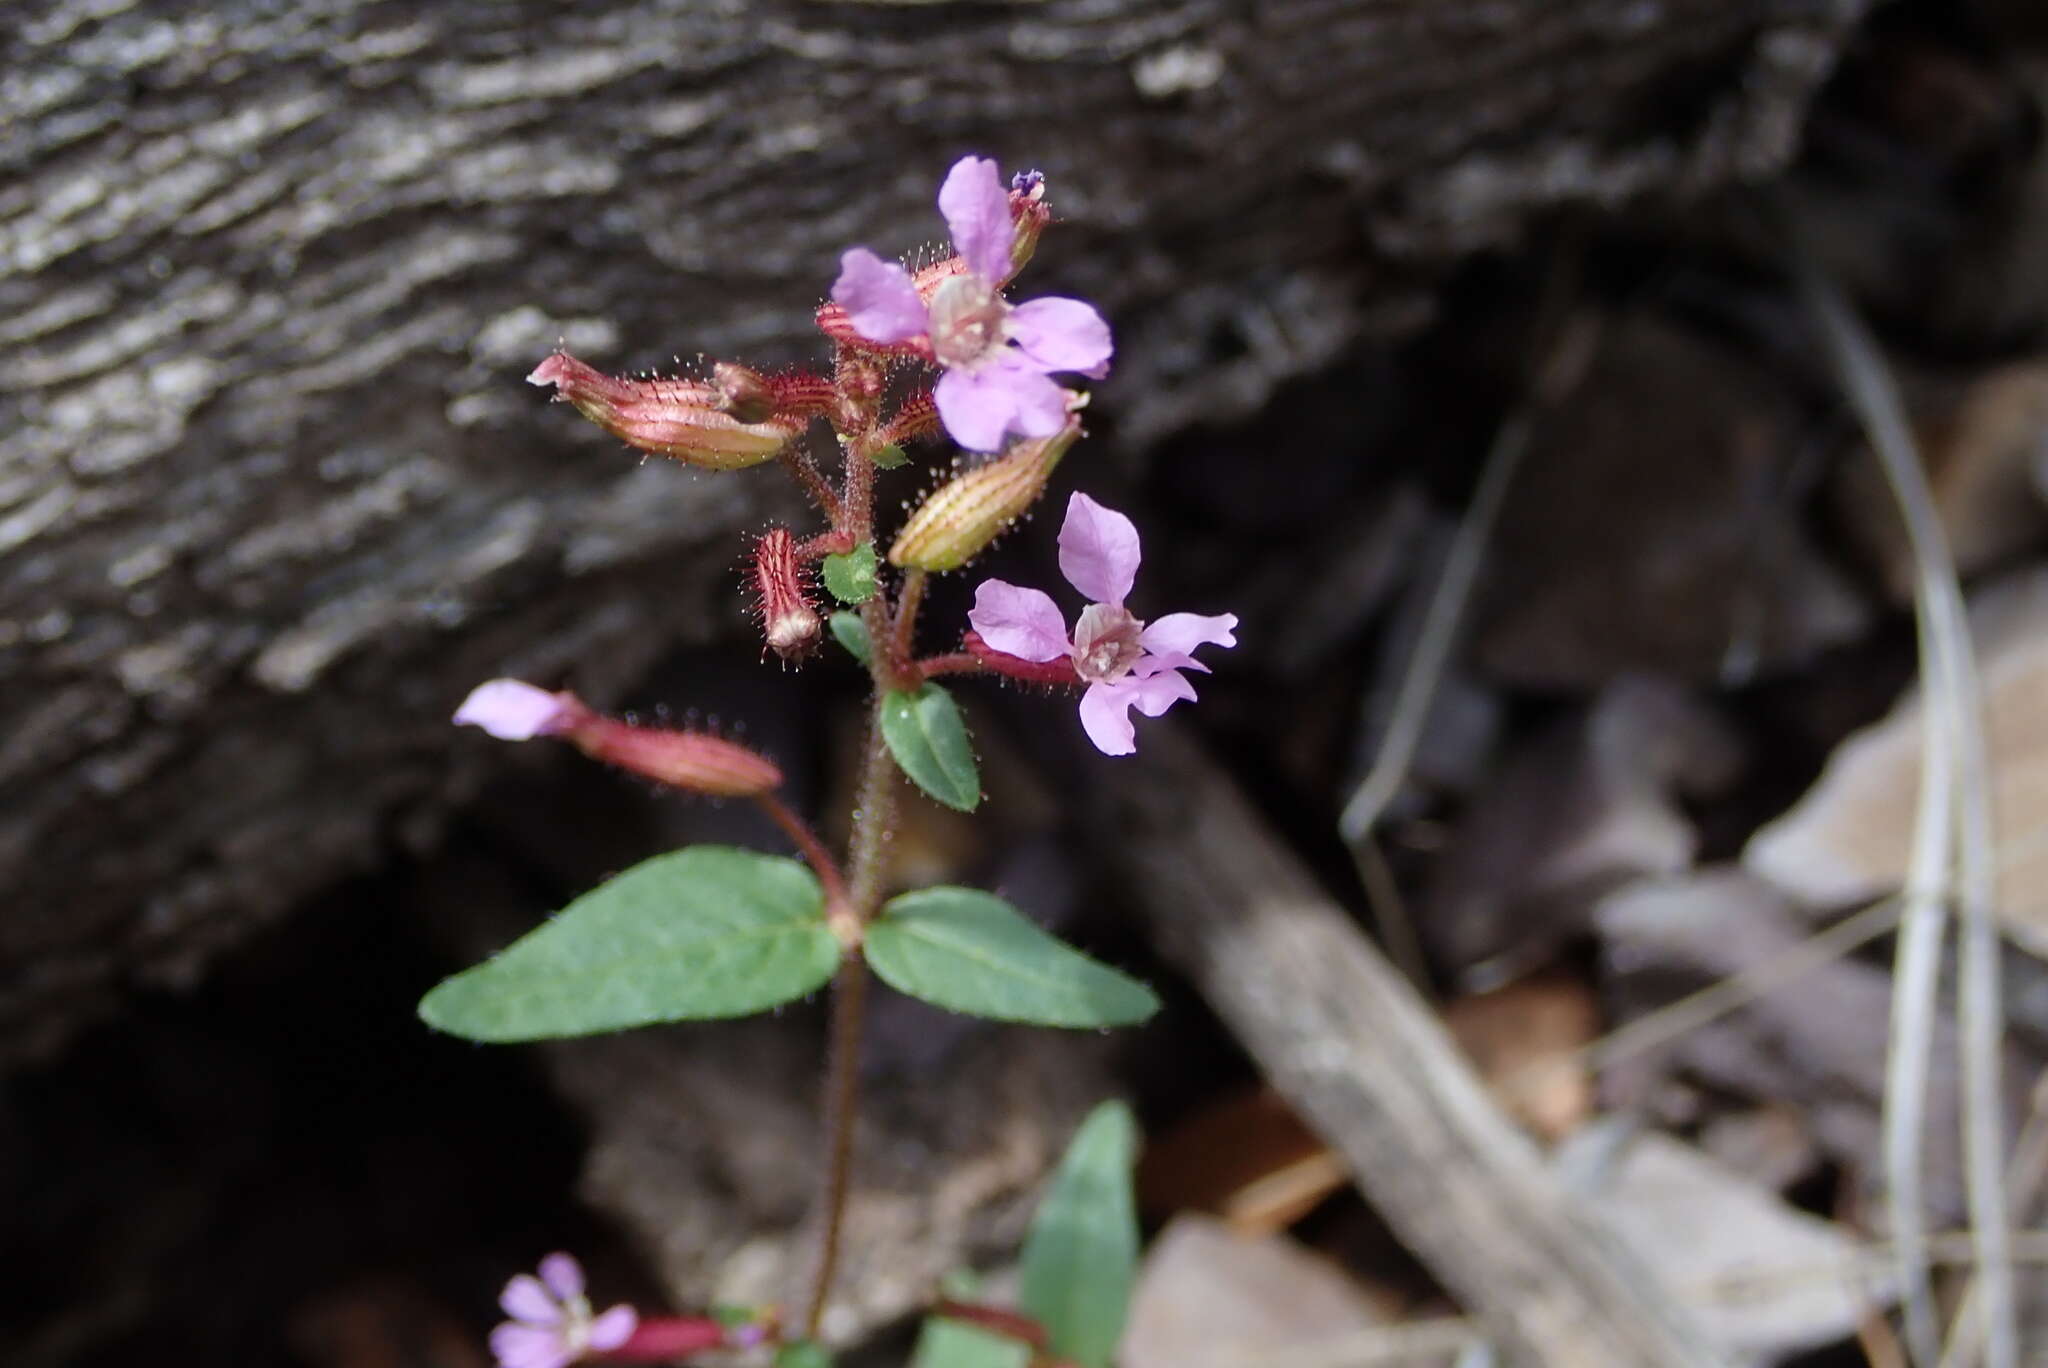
514, 711
690, 760
679, 418
960, 519
788, 620
1030, 213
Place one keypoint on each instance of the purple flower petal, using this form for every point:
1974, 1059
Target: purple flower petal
1153, 691
976, 411
1098, 550
563, 1275
879, 299
1180, 633
525, 1299
981, 407
1106, 717
613, 1328
1041, 400
977, 210
530, 1346
1017, 621
513, 711
1058, 334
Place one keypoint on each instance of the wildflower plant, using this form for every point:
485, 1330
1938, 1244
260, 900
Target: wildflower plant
715, 931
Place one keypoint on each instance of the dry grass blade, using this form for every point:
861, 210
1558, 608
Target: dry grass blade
1439, 632
1954, 810
2025, 1179
1730, 994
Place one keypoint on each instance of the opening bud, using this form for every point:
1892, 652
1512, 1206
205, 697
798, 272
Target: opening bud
742, 392
1030, 213
696, 761
789, 623
679, 418
961, 518
515, 711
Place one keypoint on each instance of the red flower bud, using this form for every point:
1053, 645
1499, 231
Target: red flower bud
690, 760
663, 1339
679, 418
788, 621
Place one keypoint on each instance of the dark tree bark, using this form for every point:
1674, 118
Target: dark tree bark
272, 496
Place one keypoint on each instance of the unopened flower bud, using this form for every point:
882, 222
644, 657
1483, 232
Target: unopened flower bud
515, 711
788, 621
679, 418
961, 518
690, 760
1030, 213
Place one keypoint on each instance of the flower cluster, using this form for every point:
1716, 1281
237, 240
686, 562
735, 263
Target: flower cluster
998, 358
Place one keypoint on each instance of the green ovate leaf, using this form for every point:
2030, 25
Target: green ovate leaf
803, 1354
852, 633
709, 931
929, 740
851, 575
1081, 1257
971, 952
890, 457
944, 1343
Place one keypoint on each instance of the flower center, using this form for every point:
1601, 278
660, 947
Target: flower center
966, 321
1106, 642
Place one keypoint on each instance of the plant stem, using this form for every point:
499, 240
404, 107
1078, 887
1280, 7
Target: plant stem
842, 1079
874, 815
874, 811
904, 633
812, 481
959, 662
820, 859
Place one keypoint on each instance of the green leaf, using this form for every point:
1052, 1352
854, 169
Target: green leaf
890, 457
852, 633
971, 952
945, 1343
709, 931
803, 1354
929, 740
1081, 1257
851, 575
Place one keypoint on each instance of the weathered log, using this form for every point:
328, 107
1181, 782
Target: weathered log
1365, 1062
272, 497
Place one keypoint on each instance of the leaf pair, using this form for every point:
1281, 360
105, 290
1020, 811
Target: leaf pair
711, 931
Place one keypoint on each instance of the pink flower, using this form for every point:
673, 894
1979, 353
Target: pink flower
1125, 662
515, 711
998, 359
551, 1325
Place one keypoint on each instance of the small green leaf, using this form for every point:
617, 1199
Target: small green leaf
852, 633
803, 1354
851, 575
971, 952
1081, 1257
890, 456
709, 931
945, 1343
929, 740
